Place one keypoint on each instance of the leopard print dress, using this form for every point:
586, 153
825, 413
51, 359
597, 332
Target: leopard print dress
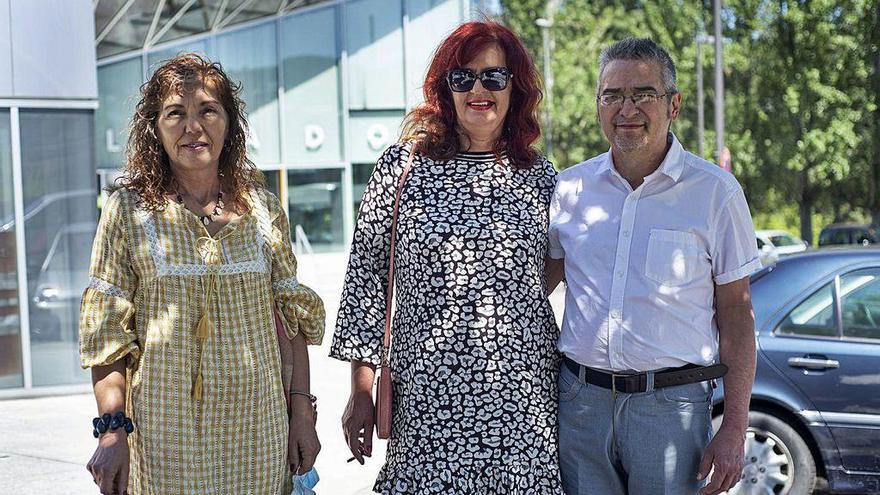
474, 337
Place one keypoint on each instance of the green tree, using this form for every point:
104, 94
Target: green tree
802, 84
871, 51
801, 70
581, 29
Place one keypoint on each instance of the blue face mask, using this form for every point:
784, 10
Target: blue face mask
303, 484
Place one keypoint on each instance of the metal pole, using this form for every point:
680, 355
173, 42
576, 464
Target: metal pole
719, 84
24, 318
548, 81
701, 113
548, 85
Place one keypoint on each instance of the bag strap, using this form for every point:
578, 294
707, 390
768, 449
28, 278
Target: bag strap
389, 295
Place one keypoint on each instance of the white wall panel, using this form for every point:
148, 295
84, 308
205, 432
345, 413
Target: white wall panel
5, 51
53, 49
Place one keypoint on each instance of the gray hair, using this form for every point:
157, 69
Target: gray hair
640, 49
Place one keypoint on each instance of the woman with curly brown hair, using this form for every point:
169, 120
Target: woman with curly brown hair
473, 356
191, 260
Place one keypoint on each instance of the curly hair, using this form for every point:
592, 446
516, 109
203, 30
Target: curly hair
148, 168
433, 123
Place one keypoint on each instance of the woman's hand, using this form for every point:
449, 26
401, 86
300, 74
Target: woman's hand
109, 463
302, 439
357, 424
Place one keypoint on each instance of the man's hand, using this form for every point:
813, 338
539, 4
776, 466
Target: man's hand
302, 439
109, 463
724, 457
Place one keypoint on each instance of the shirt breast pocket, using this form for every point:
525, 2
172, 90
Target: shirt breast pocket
673, 257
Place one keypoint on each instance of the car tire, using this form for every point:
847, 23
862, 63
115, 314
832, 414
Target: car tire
777, 459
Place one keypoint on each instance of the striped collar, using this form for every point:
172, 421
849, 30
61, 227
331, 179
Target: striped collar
479, 156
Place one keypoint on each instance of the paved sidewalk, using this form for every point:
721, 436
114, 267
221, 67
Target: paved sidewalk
46, 442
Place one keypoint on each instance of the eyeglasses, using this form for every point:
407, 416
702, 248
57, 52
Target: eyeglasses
493, 79
638, 99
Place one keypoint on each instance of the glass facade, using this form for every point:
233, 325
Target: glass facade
10, 323
250, 56
273, 181
326, 88
374, 41
60, 218
312, 102
155, 58
371, 132
360, 175
118, 86
316, 209
326, 85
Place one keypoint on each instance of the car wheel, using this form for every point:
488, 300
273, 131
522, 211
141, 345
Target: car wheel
777, 460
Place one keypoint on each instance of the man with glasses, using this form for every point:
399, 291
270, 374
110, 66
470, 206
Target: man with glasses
656, 245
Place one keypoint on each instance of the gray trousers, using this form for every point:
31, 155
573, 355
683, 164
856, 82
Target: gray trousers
632, 444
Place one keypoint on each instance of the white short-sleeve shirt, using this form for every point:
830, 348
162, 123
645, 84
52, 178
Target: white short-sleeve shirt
641, 265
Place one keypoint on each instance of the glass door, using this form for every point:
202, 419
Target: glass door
60, 218
10, 323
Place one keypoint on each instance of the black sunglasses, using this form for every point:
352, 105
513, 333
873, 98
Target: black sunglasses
493, 79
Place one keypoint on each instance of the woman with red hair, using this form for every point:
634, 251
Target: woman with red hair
473, 355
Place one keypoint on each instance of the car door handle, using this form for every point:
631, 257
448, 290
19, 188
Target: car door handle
813, 363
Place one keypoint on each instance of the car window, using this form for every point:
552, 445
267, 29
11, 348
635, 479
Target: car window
783, 240
815, 316
760, 243
860, 304
837, 236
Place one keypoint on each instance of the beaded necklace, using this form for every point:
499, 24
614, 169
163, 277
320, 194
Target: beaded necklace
207, 219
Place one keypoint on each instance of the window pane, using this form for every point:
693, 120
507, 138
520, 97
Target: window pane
311, 86
430, 21
374, 31
860, 304
59, 184
156, 58
249, 56
192, 21
10, 326
118, 90
273, 181
315, 198
360, 175
814, 316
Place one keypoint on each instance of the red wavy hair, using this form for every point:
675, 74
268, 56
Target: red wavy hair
433, 123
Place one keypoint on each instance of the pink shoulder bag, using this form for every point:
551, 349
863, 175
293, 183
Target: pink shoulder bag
383, 382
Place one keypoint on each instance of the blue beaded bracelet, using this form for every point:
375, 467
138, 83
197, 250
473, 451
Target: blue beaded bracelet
111, 422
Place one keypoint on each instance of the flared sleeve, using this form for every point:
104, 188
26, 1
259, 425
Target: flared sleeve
300, 308
107, 325
360, 323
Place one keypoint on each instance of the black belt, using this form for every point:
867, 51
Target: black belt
636, 383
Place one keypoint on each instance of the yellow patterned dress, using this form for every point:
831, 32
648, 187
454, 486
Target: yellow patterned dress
192, 316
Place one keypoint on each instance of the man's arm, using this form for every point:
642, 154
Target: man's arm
736, 334
554, 272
